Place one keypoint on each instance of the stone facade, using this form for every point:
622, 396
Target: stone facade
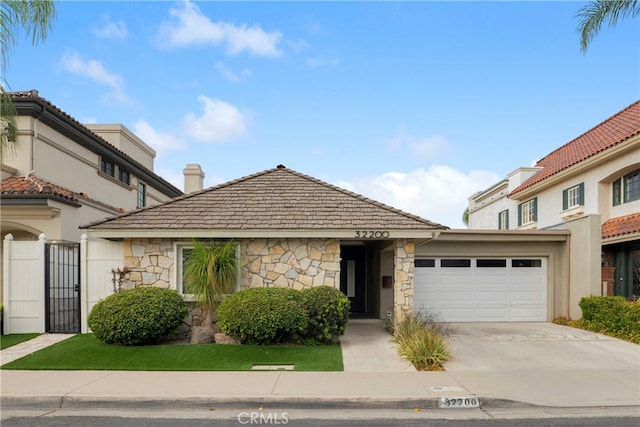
290, 263
150, 262
404, 254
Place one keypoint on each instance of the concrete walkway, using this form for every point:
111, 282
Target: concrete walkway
367, 347
503, 365
27, 347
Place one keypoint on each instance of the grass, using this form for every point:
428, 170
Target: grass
7, 341
85, 352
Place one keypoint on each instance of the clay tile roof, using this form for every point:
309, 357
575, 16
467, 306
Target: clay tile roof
275, 199
616, 129
31, 184
28, 186
621, 226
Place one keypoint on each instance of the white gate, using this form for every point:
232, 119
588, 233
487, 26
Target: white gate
98, 258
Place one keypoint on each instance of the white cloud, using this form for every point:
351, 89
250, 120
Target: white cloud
439, 194
317, 62
190, 27
95, 71
230, 75
161, 142
422, 148
219, 122
112, 30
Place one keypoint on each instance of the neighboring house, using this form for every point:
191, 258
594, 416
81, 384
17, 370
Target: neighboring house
63, 174
598, 173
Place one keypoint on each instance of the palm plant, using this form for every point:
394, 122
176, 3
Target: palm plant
210, 272
35, 17
597, 12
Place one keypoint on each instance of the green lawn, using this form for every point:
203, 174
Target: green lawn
7, 341
85, 352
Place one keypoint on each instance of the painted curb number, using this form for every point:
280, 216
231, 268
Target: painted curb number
459, 402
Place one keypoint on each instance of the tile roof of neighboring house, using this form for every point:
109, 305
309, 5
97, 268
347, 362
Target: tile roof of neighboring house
275, 199
607, 134
621, 225
28, 186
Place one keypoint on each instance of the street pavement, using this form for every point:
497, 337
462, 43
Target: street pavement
507, 365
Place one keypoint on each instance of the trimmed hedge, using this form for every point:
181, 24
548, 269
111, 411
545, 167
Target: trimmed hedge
137, 316
264, 315
328, 311
613, 316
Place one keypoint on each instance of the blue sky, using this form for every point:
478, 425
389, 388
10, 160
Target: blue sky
415, 104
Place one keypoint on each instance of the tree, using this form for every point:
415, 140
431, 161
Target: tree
597, 12
35, 17
465, 217
209, 273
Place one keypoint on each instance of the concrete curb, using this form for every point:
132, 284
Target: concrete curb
208, 403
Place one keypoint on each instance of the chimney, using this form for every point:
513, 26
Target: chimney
193, 178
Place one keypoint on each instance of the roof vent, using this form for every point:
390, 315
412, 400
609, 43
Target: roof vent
281, 167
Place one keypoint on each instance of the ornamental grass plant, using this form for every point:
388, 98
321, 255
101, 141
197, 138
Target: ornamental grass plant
422, 341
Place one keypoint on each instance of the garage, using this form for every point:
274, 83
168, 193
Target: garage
497, 289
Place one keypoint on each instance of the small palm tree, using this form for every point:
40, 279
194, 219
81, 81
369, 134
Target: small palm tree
210, 272
597, 12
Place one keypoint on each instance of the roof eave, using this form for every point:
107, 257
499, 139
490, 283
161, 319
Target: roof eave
177, 234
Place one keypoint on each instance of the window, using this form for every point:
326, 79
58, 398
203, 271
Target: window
491, 263
527, 212
142, 195
107, 167
184, 252
123, 176
627, 188
573, 196
457, 263
526, 263
503, 220
425, 262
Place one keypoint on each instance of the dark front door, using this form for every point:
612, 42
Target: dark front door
353, 276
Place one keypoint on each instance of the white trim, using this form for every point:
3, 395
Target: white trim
250, 234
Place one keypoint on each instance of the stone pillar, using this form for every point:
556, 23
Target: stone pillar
403, 264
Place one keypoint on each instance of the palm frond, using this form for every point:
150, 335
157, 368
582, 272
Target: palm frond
593, 15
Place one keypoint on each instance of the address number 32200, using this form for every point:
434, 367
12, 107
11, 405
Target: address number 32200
372, 234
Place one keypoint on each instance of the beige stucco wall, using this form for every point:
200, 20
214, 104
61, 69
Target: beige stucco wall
53, 157
585, 261
555, 252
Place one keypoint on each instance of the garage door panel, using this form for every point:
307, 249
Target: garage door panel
467, 294
492, 296
494, 279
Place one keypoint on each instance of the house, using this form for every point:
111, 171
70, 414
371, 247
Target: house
296, 231
596, 174
60, 175
63, 174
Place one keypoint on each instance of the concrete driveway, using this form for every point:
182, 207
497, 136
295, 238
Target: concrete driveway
544, 363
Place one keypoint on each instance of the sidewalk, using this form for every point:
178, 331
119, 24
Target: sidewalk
479, 369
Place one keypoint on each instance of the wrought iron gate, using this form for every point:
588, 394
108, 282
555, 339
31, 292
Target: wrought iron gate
62, 287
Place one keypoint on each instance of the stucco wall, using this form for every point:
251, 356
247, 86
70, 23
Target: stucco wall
289, 263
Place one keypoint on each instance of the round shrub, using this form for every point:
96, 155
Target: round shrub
263, 315
137, 316
328, 311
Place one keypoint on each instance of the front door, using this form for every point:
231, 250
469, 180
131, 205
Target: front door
353, 276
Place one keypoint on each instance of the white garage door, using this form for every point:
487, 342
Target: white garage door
482, 290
